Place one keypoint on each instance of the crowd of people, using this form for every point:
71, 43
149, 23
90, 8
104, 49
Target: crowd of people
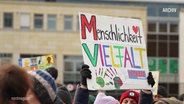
18, 86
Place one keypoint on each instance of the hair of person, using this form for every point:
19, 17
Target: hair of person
14, 84
162, 91
52, 71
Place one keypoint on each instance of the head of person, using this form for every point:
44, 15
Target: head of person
129, 97
14, 84
53, 72
91, 99
181, 97
43, 89
161, 93
49, 59
171, 100
64, 94
101, 98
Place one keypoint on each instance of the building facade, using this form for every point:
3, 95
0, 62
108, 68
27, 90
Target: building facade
164, 46
29, 29
181, 56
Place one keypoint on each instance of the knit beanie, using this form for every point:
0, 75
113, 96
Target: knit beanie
101, 98
44, 86
130, 94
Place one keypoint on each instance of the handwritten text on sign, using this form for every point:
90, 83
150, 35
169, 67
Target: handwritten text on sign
114, 48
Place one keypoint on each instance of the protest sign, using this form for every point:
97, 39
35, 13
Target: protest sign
115, 50
156, 78
35, 63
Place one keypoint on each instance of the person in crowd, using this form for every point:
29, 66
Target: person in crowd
91, 99
82, 94
14, 84
102, 98
129, 97
161, 93
146, 96
62, 91
170, 100
161, 98
43, 89
181, 97
134, 97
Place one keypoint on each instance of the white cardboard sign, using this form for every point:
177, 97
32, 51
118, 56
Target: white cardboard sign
115, 50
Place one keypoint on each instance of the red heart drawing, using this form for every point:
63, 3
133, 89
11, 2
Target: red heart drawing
135, 28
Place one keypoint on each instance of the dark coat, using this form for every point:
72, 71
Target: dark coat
64, 94
81, 96
145, 98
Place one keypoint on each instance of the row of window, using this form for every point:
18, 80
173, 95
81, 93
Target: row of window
163, 65
25, 21
163, 27
72, 64
163, 39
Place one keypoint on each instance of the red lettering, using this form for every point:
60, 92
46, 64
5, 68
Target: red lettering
90, 26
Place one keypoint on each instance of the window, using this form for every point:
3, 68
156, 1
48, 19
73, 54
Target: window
163, 46
164, 41
24, 21
173, 49
78, 25
5, 58
151, 47
152, 27
73, 63
173, 66
38, 21
68, 22
30, 55
152, 64
51, 20
173, 28
8, 20
72, 66
172, 89
162, 27
162, 65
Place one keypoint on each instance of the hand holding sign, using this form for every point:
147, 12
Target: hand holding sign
151, 80
85, 73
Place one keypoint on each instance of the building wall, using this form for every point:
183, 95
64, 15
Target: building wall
181, 49
59, 42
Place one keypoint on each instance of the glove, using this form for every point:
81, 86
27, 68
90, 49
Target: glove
85, 73
150, 79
